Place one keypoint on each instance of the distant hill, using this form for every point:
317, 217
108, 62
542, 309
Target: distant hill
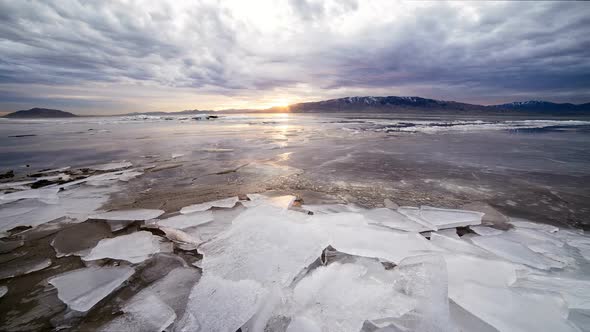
538, 106
40, 113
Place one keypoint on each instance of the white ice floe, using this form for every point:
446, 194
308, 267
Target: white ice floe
45, 195
111, 166
437, 218
183, 221
105, 179
235, 255
222, 203
283, 202
576, 291
517, 310
515, 252
83, 288
149, 314
393, 219
134, 247
216, 304
134, 214
485, 230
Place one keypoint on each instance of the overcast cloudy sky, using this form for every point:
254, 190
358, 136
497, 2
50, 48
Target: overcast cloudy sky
122, 56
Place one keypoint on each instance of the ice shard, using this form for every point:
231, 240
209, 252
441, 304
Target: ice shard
17, 267
134, 247
183, 221
222, 203
438, 218
83, 288
393, 219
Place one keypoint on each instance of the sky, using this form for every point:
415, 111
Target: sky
108, 57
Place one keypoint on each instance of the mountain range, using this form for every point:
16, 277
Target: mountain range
369, 104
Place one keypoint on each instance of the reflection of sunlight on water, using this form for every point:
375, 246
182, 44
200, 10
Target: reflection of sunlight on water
284, 156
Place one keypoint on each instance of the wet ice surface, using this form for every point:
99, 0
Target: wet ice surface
327, 249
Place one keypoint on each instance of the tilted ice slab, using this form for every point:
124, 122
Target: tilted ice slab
485, 230
183, 240
111, 166
3, 291
523, 223
83, 288
183, 221
457, 245
18, 267
515, 252
265, 244
438, 218
283, 202
45, 195
222, 220
134, 248
216, 304
222, 203
331, 208
135, 214
509, 309
393, 219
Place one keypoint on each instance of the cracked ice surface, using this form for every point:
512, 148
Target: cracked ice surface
183, 221
82, 289
438, 218
222, 203
134, 247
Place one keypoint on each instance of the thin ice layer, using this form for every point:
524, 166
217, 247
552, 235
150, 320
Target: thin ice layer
222, 203
3, 291
523, 223
393, 219
457, 245
183, 240
265, 244
111, 166
183, 221
78, 239
46, 195
515, 252
134, 247
485, 230
517, 310
17, 267
134, 214
216, 304
83, 288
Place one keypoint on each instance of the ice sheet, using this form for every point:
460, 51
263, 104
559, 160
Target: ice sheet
331, 208
45, 195
18, 267
576, 292
283, 202
149, 314
83, 288
457, 245
393, 219
222, 203
515, 252
134, 247
438, 218
183, 221
216, 304
523, 223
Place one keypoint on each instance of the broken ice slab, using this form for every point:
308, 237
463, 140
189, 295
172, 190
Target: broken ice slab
385, 244
80, 238
515, 309
283, 202
331, 208
515, 252
457, 245
340, 297
55, 170
149, 314
256, 244
83, 288
183, 240
449, 232
111, 166
10, 245
19, 185
523, 223
222, 220
45, 195
18, 267
466, 321
393, 219
438, 218
575, 291
3, 291
222, 203
183, 221
134, 248
216, 304
134, 214
485, 230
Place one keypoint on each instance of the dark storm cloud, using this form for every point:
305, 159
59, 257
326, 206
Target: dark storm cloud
469, 51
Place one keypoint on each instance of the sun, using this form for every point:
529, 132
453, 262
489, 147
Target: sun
281, 102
